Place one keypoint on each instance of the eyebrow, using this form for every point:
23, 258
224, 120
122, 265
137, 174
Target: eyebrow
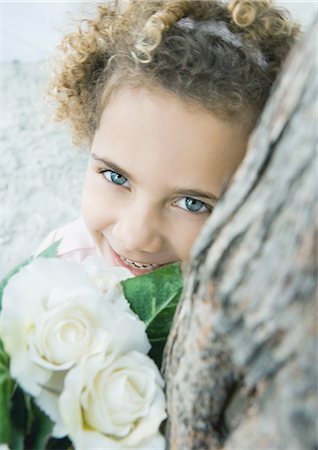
185, 192
113, 166
197, 193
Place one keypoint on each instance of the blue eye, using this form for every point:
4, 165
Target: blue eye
114, 177
192, 205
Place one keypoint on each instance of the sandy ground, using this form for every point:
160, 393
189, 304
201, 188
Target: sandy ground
42, 173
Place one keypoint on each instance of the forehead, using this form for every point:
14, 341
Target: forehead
159, 135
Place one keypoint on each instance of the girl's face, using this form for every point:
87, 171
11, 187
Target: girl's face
156, 170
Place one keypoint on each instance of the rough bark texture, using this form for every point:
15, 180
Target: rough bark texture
241, 358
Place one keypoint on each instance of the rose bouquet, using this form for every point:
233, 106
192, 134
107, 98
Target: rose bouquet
75, 366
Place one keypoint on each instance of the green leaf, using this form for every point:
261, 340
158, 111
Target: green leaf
51, 251
4, 358
18, 419
6, 386
29, 413
12, 272
154, 298
48, 252
30, 427
40, 431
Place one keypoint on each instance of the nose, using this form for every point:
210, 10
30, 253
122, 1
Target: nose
138, 230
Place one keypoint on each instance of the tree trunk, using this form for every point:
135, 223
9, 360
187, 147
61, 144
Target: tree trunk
241, 361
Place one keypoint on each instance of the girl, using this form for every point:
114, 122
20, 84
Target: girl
165, 95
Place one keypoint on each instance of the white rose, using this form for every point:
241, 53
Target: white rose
114, 403
25, 300
108, 279
105, 277
73, 323
52, 316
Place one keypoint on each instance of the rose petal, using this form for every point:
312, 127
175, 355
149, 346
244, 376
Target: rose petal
48, 401
129, 333
99, 394
88, 440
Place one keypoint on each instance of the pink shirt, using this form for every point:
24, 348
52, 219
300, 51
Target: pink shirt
76, 242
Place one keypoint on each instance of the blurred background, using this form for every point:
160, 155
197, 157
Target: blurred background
42, 172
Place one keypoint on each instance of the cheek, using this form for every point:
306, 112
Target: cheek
96, 202
185, 236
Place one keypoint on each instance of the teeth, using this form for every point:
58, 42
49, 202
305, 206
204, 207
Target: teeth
138, 265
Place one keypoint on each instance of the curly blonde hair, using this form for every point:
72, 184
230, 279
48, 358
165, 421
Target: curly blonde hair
167, 44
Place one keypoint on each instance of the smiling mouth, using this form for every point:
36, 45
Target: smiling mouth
135, 267
138, 265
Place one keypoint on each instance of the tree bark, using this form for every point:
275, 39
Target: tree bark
241, 359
